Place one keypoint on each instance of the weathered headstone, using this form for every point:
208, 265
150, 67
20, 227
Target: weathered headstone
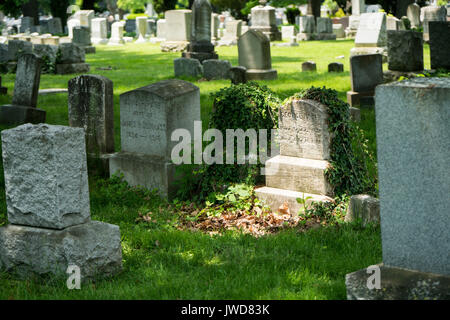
324, 29
71, 59
263, 20
141, 28
309, 66
200, 46
439, 44
151, 28
214, 69
413, 14
287, 32
85, 17
161, 29
413, 150
148, 116
366, 72
18, 47
299, 170
336, 67
48, 206
307, 28
371, 36
82, 38
26, 23
91, 107
405, 50
72, 23
339, 30
116, 34
238, 75
363, 207
431, 13
254, 54
54, 26
177, 30
187, 67
233, 31
23, 108
99, 31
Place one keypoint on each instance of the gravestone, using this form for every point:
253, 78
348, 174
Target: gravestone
299, 170
339, 30
85, 17
161, 29
54, 26
187, 67
405, 50
26, 23
214, 69
263, 20
130, 25
151, 28
91, 107
238, 75
413, 150
82, 38
363, 207
48, 206
148, 116
413, 14
254, 55
233, 31
431, 13
324, 29
309, 66
307, 28
358, 7
116, 34
46, 51
392, 23
288, 32
99, 31
17, 48
366, 72
439, 44
200, 46
23, 108
141, 29
177, 30
71, 59
72, 23
371, 37
336, 67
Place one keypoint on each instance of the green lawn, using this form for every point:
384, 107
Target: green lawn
161, 262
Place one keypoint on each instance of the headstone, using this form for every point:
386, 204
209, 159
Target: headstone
339, 30
263, 20
299, 170
336, 67
364, 208
141, 27
392, 23
431, 13
85, 17
91, 107
54, 26
82, 38
439, 44
71, 59
151, 28
324, 29
405, 50
130, 25
72, 23
48, 206
371, 36
116, 34
177, 30
27, 23
214, 69
358, 7
254, 54
412, 140
307, 28
187, 67
46, 52
413, 14
23, 108
366, 72
200, 46
287, 32
238, 75
233, 31
148, 116
18, 47
99, 31
161, 29
309, 66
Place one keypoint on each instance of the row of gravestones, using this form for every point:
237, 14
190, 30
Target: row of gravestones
39, 159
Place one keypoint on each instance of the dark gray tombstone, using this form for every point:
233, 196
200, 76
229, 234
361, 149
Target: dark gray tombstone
405, 50
440, 44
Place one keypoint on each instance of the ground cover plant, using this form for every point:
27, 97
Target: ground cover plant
169, 251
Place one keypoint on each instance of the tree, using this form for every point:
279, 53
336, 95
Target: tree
12, 7
131, 5
235, 7
161, 6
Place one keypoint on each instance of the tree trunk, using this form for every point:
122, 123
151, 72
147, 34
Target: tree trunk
88, 5
314, 8
402, 6
31, 9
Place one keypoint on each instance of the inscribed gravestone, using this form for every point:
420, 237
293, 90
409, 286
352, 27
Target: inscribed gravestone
99, 31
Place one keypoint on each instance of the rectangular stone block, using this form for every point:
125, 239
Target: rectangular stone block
413, 141
178, 25
298, 174
303, 130
91, 107
440, 44
405, 50
372, 30
150, 114
366, 72
28, 76
46, 176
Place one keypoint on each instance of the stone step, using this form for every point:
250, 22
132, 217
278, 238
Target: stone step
298, 174
274, 198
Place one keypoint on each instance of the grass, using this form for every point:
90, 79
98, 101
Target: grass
161, 262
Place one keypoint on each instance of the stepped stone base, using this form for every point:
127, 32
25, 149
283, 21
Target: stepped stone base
298, 174
274, 198
12, 114
94, 247
257, 74
150, 172
398, 284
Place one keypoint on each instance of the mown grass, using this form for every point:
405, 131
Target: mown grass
161, 262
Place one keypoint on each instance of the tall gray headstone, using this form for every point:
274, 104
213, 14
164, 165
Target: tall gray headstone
413, 14
440, 44
91, 107
405, 50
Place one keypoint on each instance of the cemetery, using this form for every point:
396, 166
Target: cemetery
191, 152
